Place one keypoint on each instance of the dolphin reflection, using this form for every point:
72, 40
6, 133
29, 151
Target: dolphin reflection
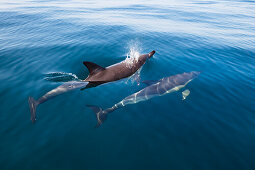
154, 88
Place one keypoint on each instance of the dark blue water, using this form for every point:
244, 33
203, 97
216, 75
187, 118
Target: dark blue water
214, 128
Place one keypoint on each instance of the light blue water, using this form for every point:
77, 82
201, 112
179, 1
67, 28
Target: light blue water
214, 128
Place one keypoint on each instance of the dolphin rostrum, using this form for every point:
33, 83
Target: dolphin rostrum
155, 88
97, 75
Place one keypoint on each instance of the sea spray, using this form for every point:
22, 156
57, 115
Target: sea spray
133, 53
132, 57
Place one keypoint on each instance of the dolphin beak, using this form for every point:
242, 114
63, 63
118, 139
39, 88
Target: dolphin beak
151, 53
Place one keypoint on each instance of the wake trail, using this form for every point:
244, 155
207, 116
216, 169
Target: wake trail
60, 77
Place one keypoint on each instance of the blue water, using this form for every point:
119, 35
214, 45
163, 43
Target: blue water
214, 128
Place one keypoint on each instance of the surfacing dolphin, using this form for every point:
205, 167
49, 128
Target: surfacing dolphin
97, 75
155, 88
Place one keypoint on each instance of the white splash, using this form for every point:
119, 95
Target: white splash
132, 58
133, 54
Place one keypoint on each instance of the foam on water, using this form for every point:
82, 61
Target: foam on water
60, 77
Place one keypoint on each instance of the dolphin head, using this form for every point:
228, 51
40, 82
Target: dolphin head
144, 57
151, 53
195, 73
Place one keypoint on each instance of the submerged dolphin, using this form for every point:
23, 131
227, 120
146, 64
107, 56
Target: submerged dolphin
155, 88
97, 75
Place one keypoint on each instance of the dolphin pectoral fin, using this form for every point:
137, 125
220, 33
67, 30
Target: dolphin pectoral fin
149, 82
185, 94
92, 67
137, 78
32, 105
101, 117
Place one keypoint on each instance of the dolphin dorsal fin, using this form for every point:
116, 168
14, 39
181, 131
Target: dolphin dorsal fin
92, 67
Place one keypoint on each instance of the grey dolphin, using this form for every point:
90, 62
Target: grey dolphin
155, 88
97, 75
115, 72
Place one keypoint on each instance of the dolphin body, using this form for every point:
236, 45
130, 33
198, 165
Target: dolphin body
97, 75
155, 88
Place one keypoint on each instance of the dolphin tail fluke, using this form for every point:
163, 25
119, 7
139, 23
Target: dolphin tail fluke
101, 116
32, 105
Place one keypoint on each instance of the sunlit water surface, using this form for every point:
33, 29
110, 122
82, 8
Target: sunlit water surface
43, 44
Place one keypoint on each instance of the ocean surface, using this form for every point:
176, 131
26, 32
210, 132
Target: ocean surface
43, 44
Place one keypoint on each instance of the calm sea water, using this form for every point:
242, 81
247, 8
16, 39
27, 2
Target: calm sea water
214, 128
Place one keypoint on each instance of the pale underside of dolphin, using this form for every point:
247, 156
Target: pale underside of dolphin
97, 75
154, 89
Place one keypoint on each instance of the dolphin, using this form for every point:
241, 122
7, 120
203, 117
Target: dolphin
114, 72
97, 75
155, 88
